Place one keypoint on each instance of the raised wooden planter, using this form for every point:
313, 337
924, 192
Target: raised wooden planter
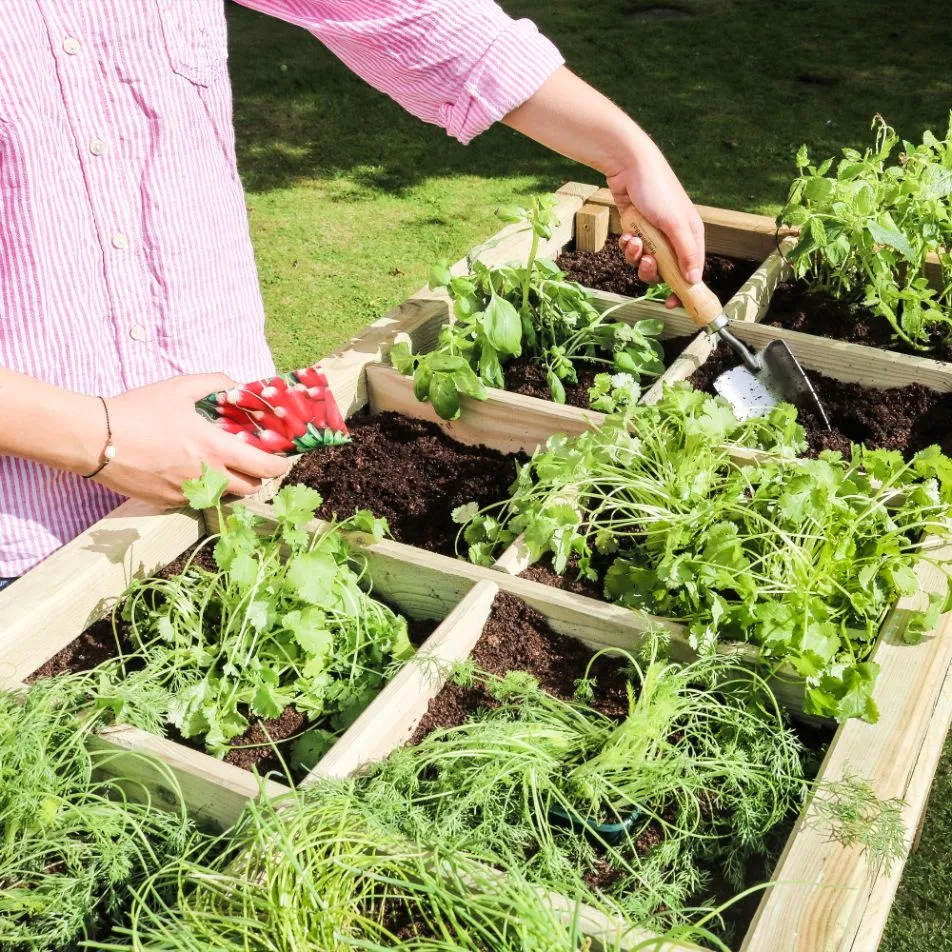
823, 895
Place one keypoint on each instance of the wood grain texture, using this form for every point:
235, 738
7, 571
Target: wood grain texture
165, 773
726, 232
855, 363
52, 604
883, 893
591, 228
392, 717
508, 422
822, 889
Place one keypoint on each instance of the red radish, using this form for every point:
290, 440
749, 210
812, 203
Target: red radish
275, 442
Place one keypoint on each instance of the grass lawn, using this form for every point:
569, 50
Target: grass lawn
351, 199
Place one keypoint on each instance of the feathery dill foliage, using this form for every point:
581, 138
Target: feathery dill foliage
72, 846
317, 870
282, 620
708, 768
802, 557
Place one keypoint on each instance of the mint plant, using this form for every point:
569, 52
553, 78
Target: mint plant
867, 225
506, 312
282, 619
801, 557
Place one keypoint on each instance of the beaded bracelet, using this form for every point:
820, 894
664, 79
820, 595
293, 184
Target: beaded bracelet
109, 450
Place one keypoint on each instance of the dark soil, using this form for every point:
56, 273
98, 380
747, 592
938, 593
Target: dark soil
94, 646
607, 270
569, 582
797, 308
907, 419
528, 378
98, 642
408, 471
517, 638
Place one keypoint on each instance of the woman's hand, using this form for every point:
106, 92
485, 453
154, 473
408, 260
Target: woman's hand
161, 441
648, 183
569, 116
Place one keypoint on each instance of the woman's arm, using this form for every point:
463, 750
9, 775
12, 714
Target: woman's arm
570, 117
465, 64
160, 440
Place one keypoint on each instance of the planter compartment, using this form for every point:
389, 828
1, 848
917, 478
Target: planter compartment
730, 234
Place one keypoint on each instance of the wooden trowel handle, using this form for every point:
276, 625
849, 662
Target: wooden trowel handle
698, 299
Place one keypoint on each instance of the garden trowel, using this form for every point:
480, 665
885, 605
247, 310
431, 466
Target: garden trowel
764, 378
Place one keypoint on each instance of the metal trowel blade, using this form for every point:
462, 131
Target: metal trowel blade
780, 380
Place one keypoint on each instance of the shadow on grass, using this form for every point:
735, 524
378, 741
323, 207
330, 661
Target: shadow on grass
729, 92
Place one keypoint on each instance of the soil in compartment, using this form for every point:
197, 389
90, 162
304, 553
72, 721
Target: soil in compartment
607, 270
528, 378
266, 742
408, 471
544, 573
796, 307
907, 419
518, 638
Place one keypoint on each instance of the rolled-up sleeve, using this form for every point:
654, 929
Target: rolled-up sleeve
459, 64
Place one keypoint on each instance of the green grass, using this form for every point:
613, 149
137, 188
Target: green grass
351, 199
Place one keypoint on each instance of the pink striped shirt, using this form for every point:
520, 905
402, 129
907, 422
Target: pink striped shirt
124, 249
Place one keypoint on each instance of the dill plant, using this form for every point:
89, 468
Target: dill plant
319, 870
703, 761
73, 845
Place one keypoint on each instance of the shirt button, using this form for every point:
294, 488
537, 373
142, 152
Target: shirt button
139, 332
97, 147
71, 45
120, 241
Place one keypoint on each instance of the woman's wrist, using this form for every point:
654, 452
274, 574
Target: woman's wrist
50, 425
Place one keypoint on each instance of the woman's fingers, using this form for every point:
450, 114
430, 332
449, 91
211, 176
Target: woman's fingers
648, 270
241, 485
632, 246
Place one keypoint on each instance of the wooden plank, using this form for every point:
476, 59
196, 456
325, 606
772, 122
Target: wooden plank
883, 893
855, 363
508, 422
426, 584
392, 717
591, 228
160, 771
52, 604
822, 889
727, 232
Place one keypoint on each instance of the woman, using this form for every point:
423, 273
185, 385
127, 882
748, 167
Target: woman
127, 280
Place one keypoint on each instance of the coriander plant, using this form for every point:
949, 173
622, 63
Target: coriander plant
801, 557
510, 311
281, 619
